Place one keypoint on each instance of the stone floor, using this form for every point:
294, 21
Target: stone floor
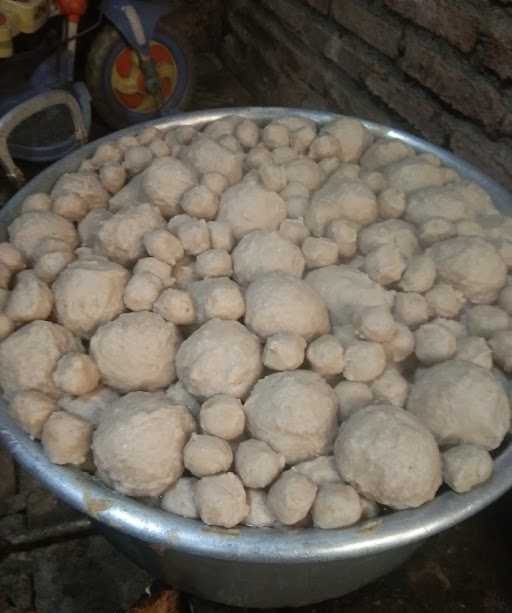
50, 562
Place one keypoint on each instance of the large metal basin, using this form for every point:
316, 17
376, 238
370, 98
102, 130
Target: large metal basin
253, 567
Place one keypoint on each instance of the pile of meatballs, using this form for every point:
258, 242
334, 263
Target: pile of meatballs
277, 324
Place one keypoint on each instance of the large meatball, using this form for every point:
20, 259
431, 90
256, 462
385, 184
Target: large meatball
138, 446
221, 357
165, 182
29, 356
295, 413
461, 403
279, 302
389, 456
346, 291
471, 265
89, 293
136, 351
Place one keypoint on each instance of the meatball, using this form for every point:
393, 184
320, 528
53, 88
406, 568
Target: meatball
336, 506
76, 374
222, 416
221, 500
466, 466
257, 463
207, 455
180, 498
291, 497
284, 351
31, 409
66, 439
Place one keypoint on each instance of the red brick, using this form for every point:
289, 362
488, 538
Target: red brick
410, 102
452, 19
355, 57
367, 19
496, 43
436, 67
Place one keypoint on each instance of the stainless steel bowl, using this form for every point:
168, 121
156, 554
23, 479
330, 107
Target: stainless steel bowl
254, 567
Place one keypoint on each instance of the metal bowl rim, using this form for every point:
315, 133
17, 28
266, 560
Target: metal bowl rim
164, 530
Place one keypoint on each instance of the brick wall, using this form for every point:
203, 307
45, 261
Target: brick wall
439, 68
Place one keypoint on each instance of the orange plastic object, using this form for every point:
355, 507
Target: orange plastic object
72, 9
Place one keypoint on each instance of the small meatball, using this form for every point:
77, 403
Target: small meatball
344, 234
434, 343
261, 252
391, 203
248, 133
165, 182
222, 416
257, 156
247, 207
112, 177
339, 198
176, 306
31, 409
260, 516
184, 134
85, 185
50, 265
319, 252
336, 506
390, 388
136, 159
297, 207
505, 299
389, 456
27, 231
275, 135
435, 230
11, 257
91, 224
180, 498
304, 171
138, 445
485, 320
116, 349
230, 143
469, 228
29, 356
221, 357
385, 265
294, 231
200, 202
501, 345
401, 345
444, 301
194, 236
302, 138
257, 463
321, 470
36, 202
157, 268
329, 165
66, 438
374, 324
419, 276
279, 302
7, 326
30, 299
105, 153
325, 355
142, 291
300, 429
221, 500
91, 406
352, 136
215, 182
283, 155
412, 309
70, 206
159, 148
466, 466
76, 374
147, 135
217, 298
162, 245
178, 395
364, 361
376, 181
206, 155
474, 349
352, 396
214, 263
461, 403
291, 497
324, 146
207, 455
125, 142
411, 175
221, 236
384, 152
120, 238
273, 177
284, 351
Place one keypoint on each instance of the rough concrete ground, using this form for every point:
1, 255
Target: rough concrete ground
465, 569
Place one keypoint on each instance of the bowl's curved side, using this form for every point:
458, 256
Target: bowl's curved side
245, 544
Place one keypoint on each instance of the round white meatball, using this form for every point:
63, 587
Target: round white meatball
257, 464
222, 416
466, 466
221, 500
284, 351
